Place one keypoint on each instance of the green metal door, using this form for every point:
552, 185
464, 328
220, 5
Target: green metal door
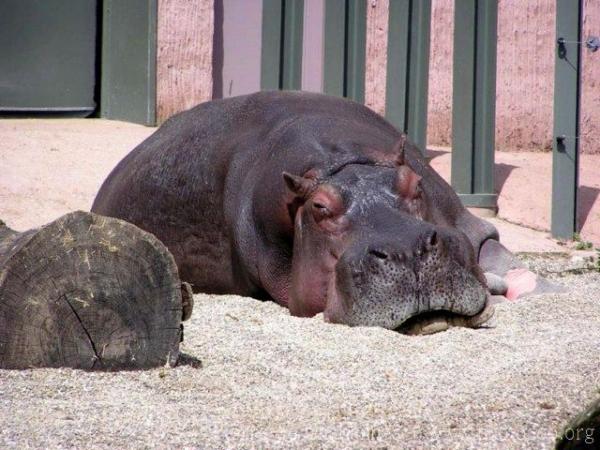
48, 56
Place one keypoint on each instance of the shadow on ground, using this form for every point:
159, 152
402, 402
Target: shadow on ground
586, 197
501, 173
189, 360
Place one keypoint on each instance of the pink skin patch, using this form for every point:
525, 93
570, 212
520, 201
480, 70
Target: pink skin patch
520, 281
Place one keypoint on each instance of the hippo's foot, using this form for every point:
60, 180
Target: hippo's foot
436, 321
519, 283
506, 275
496, 284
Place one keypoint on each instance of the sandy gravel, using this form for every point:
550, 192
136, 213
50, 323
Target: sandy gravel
50, 167
254, 377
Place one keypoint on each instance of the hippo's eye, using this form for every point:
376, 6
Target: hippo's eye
326, 209
321, 211
320, 207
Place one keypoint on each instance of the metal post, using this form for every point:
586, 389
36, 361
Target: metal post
356, 48
345, 47
565, 160
334, 53
281, 54
409, 26
474, 102
271, 45
291, 65
128, 68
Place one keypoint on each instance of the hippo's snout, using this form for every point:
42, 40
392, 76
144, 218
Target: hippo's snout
388, 282
428, 243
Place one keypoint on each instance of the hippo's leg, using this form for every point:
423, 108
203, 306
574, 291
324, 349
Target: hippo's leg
508, 276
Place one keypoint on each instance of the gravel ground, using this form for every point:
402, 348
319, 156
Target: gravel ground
254, 377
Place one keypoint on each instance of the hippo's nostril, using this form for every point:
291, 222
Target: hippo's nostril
380, 254
433, 239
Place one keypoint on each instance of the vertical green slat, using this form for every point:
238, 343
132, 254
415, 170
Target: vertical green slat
397, 63
291, 66
128, 69
418, 72
565, 164
485, 97
408, 67
281, 51
463, 87
473, 101
271, 44
151, 50
335, 47
356, 50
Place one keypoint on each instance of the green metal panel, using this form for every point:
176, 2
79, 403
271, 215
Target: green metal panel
408, 67
345, 48
463, 92
281, 54
356, 49
485, 97
396, 98
565, 161
291, 77
47, 55
334, 52
487, 201
272, 45
128, 74
418, 71
474, 101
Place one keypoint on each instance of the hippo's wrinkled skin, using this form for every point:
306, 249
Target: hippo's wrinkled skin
314, 201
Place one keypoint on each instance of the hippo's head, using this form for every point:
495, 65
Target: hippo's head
371, 248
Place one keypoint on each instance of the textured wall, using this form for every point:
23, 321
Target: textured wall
376, 60
590, 96
184, 55
525, 76
525, 68
439, 126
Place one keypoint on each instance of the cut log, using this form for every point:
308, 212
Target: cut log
583, 431
87, 292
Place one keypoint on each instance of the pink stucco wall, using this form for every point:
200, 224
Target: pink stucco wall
525, 76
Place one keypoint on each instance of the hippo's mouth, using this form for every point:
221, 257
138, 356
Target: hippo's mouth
431, 322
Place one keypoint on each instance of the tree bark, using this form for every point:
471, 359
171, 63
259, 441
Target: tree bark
87, 292
583, 431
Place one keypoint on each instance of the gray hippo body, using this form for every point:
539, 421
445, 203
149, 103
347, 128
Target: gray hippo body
313, 201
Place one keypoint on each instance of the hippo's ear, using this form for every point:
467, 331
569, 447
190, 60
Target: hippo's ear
408, 183
300, 186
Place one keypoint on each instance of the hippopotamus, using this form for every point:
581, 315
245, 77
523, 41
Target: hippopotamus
315, 202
